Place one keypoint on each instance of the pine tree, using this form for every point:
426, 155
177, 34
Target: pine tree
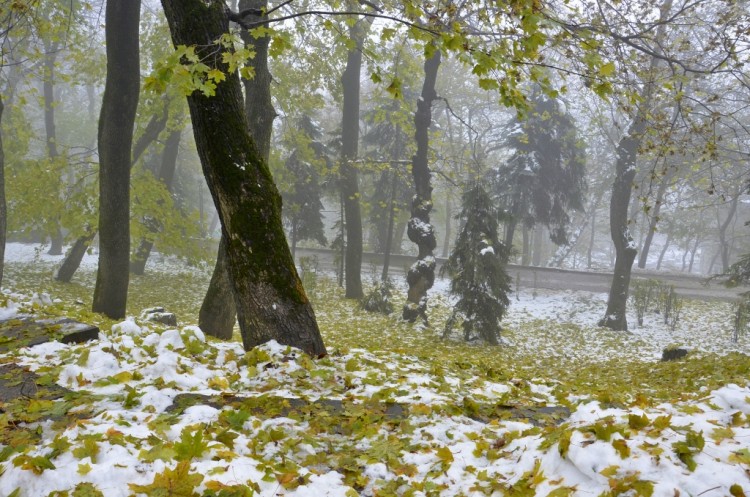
302, 204
546, 175
477, 270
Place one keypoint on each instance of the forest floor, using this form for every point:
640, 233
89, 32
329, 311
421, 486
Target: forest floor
562, 407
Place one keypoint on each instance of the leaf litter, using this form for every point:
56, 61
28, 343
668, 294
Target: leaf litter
471, 419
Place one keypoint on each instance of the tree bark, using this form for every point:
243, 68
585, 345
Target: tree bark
218, 313
349, 149
421, 275
73, 258
3, 206
625, 250
271, 302
115, 139
166, 176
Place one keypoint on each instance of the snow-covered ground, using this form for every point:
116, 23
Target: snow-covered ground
453, 434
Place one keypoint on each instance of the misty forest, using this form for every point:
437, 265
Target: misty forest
363, 247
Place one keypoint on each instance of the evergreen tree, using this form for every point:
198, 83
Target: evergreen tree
477, 270
545, 176
302, 204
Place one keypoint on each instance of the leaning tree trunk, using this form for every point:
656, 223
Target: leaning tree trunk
73, 258
166, 176
349, 148
270, 299
116, 123
421, 275
218, 313
3, 207
664, 250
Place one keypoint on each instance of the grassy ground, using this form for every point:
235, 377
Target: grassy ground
572, 358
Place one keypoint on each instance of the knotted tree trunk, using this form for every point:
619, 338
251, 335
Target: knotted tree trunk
421, 275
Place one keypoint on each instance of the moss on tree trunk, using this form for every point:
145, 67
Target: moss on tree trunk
271, 303
218, 312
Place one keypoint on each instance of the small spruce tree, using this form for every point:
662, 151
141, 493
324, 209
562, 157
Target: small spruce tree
477, 270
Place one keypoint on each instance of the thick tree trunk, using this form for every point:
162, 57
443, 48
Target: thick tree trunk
73, 258
349, 149
3, 206
258, 104
115, 138
421, 275
271, 302
166, 176
525, 246
259, 111
217, 314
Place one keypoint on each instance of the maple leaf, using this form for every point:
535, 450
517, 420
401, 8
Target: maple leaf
177, 482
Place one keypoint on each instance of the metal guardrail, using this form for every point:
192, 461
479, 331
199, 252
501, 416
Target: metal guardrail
686, 285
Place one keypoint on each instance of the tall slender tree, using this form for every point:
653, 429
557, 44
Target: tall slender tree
116, 123
3, 205
350, 82
625, 170
421, 275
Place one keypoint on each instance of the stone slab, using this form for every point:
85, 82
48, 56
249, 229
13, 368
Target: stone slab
17, 382
25, 331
